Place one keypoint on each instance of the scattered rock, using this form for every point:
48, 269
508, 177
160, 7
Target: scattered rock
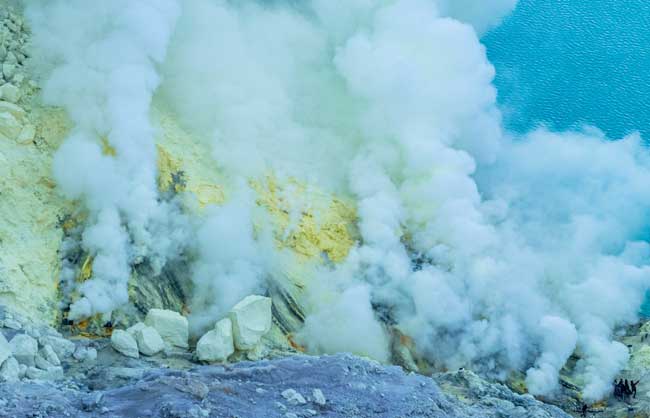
47, 352
124, 373
9, 92
10, 322
293, 397
251, 319
319, 398
149, 341
24, 349
91, 402
27, 134
133, 330
194, 387
19, 113
124, 343
41, 363
85, 354
8, 70
10, 128
62, 347
5, 348
10, 370
10, 59
172, 326
216, 345
32, 331
290, 415
53, 373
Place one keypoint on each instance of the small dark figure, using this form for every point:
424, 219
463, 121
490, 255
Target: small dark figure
584, 410
617, 389
633, 384
626, 385
621, 389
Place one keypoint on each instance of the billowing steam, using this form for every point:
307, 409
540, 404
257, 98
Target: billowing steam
493, 251
100, 61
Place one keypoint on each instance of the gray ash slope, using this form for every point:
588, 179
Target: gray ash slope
352, 387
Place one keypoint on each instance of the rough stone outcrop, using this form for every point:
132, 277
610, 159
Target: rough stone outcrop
9, 370
216, 344
251, 319
124, 343
62, 347
172, 326
149, 341
24, 349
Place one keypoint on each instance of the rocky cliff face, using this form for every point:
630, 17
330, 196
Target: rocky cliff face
31, 209
40, 230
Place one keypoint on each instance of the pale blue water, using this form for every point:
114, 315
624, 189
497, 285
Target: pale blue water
566, 63
569, 62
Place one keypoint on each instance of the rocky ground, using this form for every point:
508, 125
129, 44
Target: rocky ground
290, 387
152, 369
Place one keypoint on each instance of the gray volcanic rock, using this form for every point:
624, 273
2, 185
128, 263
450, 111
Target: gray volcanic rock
353, 387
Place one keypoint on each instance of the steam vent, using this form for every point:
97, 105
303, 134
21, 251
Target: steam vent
324, 208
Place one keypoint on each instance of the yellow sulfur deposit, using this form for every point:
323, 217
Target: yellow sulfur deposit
107, 148
308, 222
86, 271
323, 226
30, 210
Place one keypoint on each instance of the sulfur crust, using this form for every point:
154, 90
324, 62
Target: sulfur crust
33, 215
30, 212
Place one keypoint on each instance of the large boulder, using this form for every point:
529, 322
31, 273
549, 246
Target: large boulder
24, 349
216, 345
124, 343
172, 326
149, 341
10, 370
48, 354
251, 319
85, 354
52, 373
62, 347
133, 330
5, 348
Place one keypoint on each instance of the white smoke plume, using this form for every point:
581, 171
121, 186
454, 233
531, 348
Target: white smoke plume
559, 340
232, 261
98, 61
493, 251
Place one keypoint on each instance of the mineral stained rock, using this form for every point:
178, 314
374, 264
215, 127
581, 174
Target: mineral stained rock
24, 348
149, 341
9, 370
251, 319
172, 326
124, 343
216, 344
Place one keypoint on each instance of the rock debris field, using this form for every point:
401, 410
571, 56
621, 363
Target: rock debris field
290, 387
